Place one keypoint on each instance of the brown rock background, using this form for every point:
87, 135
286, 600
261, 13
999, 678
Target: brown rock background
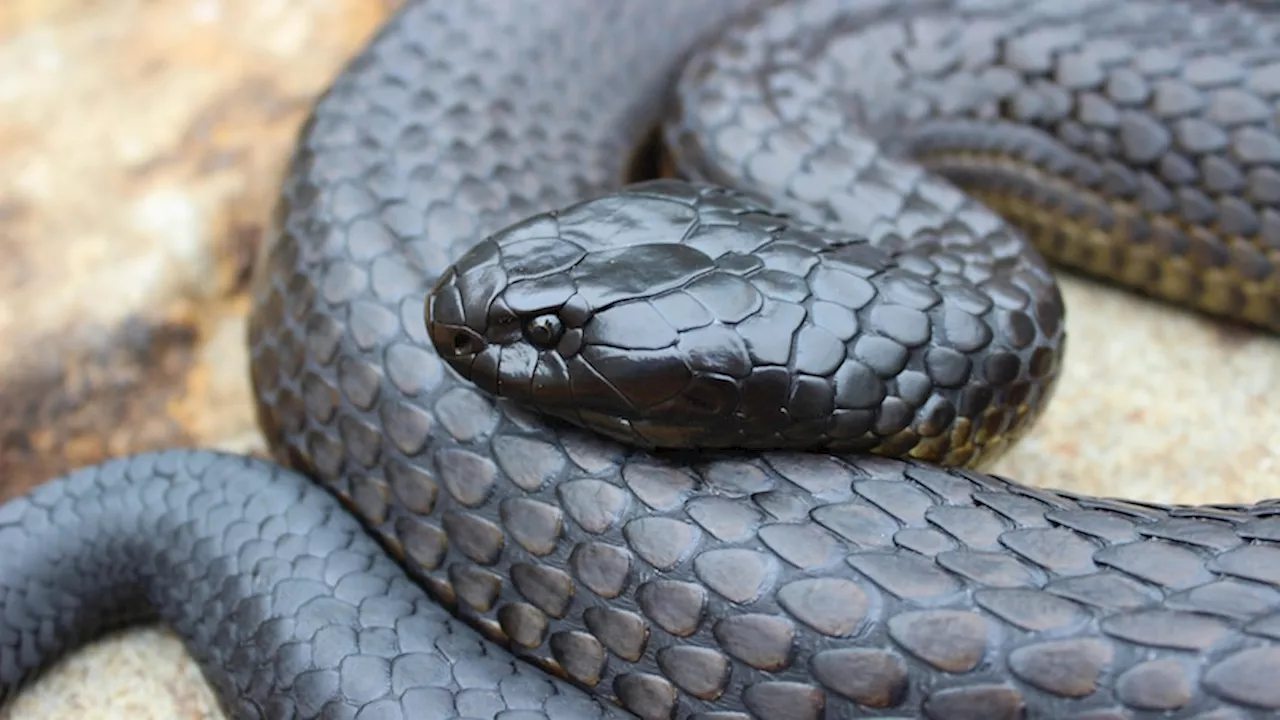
140, 146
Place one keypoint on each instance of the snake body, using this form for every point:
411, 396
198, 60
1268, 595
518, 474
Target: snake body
547, 446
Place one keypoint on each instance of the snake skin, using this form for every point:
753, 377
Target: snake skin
712, 585
285, 601
1135, 141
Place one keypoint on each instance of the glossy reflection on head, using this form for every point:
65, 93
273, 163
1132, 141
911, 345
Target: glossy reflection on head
586, 314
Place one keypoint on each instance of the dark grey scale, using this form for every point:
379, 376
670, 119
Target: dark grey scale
1129, 103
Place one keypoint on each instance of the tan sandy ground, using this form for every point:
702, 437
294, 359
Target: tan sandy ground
139, 146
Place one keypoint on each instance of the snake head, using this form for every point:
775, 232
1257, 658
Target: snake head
590, 314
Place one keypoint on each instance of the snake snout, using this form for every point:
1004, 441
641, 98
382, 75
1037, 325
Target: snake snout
454, 340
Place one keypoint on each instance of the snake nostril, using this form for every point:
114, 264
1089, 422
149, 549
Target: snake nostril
463, 344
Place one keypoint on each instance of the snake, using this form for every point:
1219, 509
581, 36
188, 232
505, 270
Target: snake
625, 358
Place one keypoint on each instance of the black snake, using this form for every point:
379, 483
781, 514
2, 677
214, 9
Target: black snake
760, 504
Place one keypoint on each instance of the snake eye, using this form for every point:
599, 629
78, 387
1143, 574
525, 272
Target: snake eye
544, 331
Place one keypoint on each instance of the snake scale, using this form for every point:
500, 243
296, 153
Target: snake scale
553, 445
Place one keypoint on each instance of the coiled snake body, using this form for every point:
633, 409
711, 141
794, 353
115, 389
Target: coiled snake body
685, 451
